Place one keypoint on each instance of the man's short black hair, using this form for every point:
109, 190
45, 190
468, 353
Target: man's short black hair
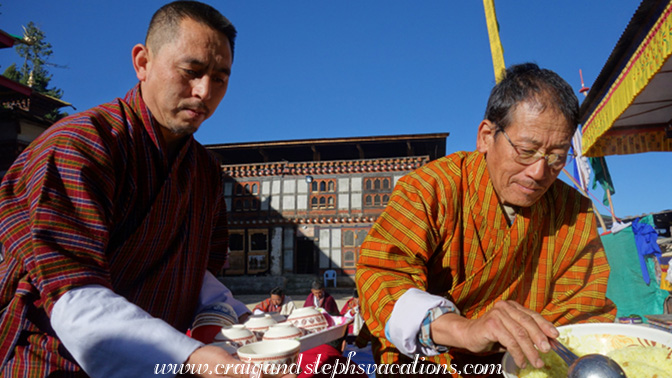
277, 291
538, 86
317, 285
165, 23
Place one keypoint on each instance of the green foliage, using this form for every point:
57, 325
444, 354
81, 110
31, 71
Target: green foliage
33, 71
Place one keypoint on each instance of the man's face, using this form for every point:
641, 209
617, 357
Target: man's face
276, 300
318, 293
530, 129
183, 82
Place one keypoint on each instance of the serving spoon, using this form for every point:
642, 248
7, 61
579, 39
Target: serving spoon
588, 366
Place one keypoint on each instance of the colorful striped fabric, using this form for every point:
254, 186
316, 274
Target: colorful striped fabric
444, 232
95, 200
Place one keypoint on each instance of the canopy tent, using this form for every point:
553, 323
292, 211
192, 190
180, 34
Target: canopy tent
629, 108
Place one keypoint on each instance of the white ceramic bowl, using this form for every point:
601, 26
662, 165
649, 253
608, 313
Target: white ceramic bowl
308, 319
270, 352
605, 337
259, 324
237, 335
282, 331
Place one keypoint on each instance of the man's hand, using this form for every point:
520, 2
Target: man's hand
521, 331
215, 356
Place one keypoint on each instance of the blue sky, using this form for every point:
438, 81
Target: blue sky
321, 69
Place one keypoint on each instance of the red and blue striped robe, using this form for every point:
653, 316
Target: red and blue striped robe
96, 200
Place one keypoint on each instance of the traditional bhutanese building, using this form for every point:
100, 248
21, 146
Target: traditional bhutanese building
22, 112
305, 206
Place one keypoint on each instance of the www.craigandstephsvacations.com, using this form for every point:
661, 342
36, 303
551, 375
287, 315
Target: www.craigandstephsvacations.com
337, 368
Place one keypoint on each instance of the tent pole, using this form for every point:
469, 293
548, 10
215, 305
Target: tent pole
611, 206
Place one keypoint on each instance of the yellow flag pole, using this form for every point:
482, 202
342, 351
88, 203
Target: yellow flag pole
495, 43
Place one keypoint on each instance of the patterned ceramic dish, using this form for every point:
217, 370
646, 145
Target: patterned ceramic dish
282, 331
603, 338
270, 352
308, 319
259, 324
236, 335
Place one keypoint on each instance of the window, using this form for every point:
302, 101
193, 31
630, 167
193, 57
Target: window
236, 241
236, 252
352, 240
258, 240
321, 197
248, 251
246, 196
323, 185
257, 256
377, 191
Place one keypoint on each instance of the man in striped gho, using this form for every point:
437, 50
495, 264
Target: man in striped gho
112, 220
483, 251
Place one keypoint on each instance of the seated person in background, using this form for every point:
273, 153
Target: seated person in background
320, 298
351, 311
351, 307
278, 302
484, 250
327, 360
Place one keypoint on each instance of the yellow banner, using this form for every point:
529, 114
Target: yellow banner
647, 60
495, 43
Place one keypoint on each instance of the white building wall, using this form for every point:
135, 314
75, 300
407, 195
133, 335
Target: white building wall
336, 247
275, 187
265, 188
276, 251
265, 202
396, 178
301, 186
343, 185
343, 201
289, 186
288, 202
302, 202
288, 249
356, 193
324, 246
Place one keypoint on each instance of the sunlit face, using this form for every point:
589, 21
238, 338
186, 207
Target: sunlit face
547, 131
276, 300
318, 293
183, 82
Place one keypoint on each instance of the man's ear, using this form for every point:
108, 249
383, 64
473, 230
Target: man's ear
486, 135
140, 61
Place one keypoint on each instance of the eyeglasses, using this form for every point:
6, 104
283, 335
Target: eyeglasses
527, 156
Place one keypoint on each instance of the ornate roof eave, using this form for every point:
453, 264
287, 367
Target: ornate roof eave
312, 220
401, 164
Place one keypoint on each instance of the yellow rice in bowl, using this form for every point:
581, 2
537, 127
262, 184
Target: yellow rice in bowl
641, 351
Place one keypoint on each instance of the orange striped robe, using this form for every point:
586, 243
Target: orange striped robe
445, 232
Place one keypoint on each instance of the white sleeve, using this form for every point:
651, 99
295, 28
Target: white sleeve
409, 312
110, 337
213, 290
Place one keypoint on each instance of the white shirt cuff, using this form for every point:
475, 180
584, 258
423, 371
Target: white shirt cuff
110, 337
213, 290
403, 327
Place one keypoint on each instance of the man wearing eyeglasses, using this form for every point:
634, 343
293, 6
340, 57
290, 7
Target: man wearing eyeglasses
483, 251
